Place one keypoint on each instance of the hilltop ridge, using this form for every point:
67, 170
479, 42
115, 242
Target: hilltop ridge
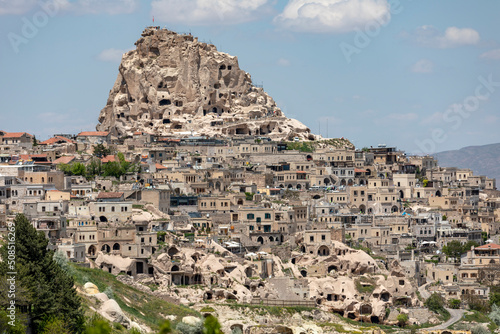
175, 85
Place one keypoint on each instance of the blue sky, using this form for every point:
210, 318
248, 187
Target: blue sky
420, 75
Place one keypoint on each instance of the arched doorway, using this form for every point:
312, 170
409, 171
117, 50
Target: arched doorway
92, 250
365, 309
105, 248
323, 251
260, 240
116, 246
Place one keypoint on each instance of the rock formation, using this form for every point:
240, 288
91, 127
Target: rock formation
175, 85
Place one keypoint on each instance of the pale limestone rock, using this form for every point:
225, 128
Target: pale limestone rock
173, 84
190, 320
112, 312
102, 297
91, 288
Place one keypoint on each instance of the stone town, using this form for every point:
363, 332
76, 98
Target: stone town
226, 199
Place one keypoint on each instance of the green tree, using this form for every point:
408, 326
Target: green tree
249, 196
435, 303
65, 168
165, 327
112, 168
47, 289
468, 246
495, 314
94, 167
495, 298
78, 168
5, 327
211, 325
54, 325
484, 235
454, 303
101, 151
402, 319
35, 142
160, 236
453, 249
97, 325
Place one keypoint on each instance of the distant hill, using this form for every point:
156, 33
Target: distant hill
483, 160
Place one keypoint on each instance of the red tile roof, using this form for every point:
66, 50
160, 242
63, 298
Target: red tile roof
31, 156
15, 134
108, 158
158, 166
103, 195
64, 160
93, 134
357, 170
488, 246
55, 140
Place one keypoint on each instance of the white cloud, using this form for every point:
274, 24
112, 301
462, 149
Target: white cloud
111, 7
332, 16
492, 55
491, 119
284, 62
80, 7
437, 117
403, 117
9, 7
423, 66
112, 55
453, 37
206, 12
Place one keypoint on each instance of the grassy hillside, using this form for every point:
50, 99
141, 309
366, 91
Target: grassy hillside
139, 306
483, 160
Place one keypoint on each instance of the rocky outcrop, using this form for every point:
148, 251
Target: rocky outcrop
175, 85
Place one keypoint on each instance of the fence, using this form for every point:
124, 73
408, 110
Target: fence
283, 303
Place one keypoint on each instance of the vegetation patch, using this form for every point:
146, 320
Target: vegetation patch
365, 284
145, 307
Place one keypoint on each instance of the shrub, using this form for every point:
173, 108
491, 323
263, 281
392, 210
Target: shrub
435, 303
402, 319
454, 303
188, 329
109, 292
97, 325
211, 325
236, 330
479, 329
165, 327
495, 314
